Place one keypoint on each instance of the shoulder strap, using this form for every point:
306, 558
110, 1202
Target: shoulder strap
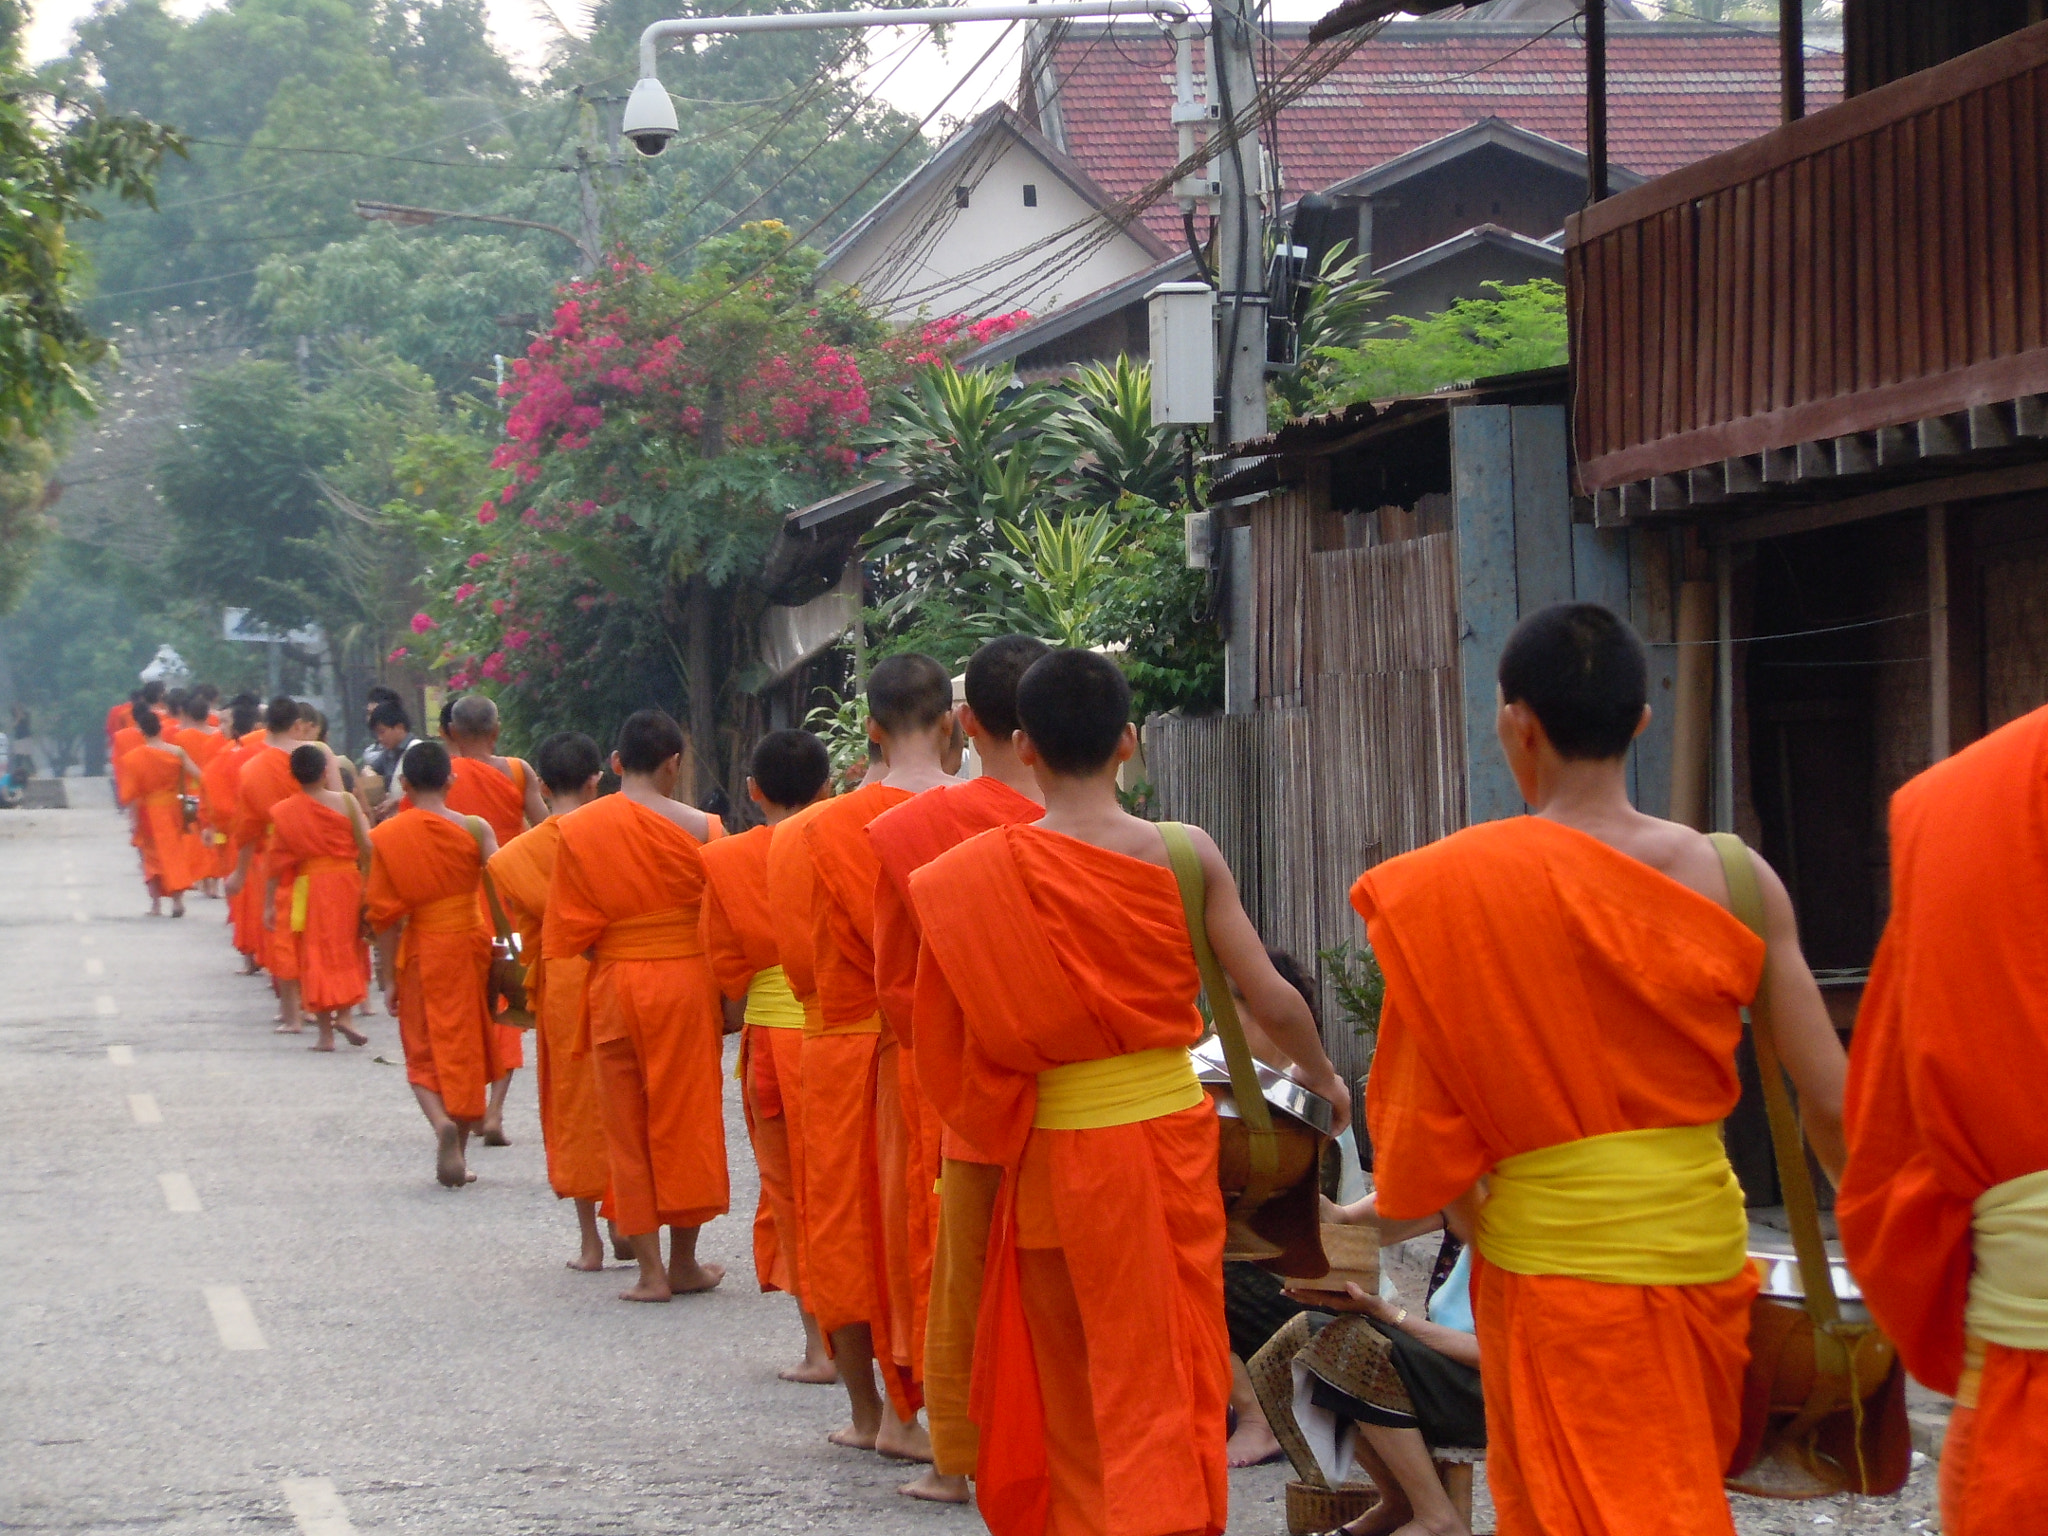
1795, 1180
1244, 1073
483, 865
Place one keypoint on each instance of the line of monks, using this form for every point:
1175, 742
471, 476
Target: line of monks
988, 1174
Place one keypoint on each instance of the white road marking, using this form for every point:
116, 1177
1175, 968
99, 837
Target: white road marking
85, 941
233, 1318
179, 1194
121, 1055
94, 966
316, 1507
78, 916
105, 1006
143, 1107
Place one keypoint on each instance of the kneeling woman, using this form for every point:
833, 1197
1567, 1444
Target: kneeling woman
1377, 1391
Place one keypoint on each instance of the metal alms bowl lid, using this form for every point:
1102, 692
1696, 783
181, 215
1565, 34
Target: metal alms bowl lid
1283, 1094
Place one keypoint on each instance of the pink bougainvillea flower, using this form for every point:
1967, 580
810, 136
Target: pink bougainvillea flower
399, 653
486, 515
421, 623
466, 591
479, 560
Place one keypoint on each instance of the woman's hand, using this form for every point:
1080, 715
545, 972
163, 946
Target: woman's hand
1328, 1084
1351, 1300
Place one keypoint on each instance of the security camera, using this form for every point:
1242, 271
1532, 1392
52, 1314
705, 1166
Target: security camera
650, 120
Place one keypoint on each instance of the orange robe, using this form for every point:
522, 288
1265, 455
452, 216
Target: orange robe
1102, 1371
1543, 987
127, 739
425, 870
207, 748
628, 887
315, 843
570, 1127
854, 1136
155, 779
791, 888
905, 840
480, 788
739, 944
266, 779
1946, 1087
223, 782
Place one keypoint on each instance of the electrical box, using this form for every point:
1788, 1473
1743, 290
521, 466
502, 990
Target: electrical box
1198, 529
1183, 353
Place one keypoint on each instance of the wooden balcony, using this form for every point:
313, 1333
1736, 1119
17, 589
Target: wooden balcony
1858, 296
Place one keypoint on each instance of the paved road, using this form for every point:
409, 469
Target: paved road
236, 1300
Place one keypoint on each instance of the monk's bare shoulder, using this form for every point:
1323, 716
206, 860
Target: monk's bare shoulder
688, 817
1672, 849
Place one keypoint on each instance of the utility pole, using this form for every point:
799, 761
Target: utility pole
1240, 228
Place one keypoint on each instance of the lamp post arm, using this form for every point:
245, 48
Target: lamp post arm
916, 16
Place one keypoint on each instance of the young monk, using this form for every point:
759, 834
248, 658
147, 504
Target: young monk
505, 792
1562, 1013
1944, 1207
949, 1189
205, 745
790, 771
221, 786
425, 871
627, 891
849, 1083
156, 775
1055, 1005
319, 848
265, 779
571, 1130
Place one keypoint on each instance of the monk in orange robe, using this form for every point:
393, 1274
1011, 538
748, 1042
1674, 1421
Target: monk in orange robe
266, 778
628, 891
790, 771
1944, 1206
156, 775
204, 745
223, 785
1102, 1377
1563, 1007
426, 868
571, 1128
853, 1124
944, 1181
319, 848
791, 888
505, 791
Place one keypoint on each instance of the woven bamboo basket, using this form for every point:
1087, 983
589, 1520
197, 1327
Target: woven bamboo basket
1311, 1508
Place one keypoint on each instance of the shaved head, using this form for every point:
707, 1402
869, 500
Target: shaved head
474, 716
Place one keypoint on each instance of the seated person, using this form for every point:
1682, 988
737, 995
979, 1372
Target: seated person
1377, 1391
1255, 1307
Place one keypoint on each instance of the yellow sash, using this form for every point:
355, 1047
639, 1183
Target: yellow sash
770, 1003
2009, 1289
1116, 1090
670, 934
1654, 1207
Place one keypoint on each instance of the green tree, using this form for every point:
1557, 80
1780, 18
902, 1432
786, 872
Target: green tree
1521, 327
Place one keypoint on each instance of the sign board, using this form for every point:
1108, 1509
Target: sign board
235, 624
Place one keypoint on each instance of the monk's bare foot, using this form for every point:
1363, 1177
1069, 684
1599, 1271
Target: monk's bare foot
690, 1278
853, 1437
352, 1036
1253, 1445
646, 1290
590, 1260
938, 1489
291, 1029
812, 1373
621, 1249
321, 1045
494, 1135
448, 1164
177, 906
903, 1442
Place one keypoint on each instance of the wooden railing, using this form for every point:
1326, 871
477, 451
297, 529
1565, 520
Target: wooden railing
1881, 263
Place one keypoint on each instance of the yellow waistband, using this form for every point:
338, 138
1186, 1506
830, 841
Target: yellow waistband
1653, 1207
770, 1003
1116, 1090
2009, 1287
670, 934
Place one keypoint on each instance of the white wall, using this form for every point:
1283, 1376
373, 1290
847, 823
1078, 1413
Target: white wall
926, 256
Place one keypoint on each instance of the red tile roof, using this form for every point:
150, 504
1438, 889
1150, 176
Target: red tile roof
1675, 95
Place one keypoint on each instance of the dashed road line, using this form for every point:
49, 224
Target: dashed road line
78, 915
105, 1006
143, 1107
179, 1194
233, 1318
316, 1507
94, 966
121, 1055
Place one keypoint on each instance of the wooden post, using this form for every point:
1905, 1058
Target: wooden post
1724, 689
1692, 704
1938, 728
1792, 58
1596, 100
